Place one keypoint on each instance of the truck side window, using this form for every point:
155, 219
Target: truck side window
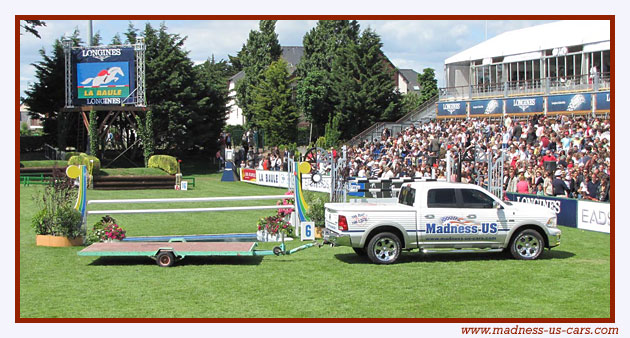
475, 199
441, 198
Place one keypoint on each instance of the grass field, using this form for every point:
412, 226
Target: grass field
572, 280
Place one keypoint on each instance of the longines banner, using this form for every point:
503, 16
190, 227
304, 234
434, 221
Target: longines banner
451, 109
102, 76
486, 107
602, 102
533, 105
578, 103
565, 208
281, 179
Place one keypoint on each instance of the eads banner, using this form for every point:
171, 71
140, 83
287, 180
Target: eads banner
102, 76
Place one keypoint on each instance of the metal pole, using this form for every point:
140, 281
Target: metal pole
89, 42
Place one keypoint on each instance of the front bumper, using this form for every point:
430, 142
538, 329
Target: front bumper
337, 239
554, 237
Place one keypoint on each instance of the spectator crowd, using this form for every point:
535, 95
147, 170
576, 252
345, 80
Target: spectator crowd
557, 156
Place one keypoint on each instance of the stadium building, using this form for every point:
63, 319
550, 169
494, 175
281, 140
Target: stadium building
540, 62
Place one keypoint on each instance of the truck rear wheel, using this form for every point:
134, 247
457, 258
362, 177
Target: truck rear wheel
528, 245
165, 259
384, 248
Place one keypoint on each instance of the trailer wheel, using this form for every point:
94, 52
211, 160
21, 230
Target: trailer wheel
277, 251
165, 259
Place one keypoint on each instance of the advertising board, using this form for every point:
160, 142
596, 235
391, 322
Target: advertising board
102, 75
593, 216
565, 208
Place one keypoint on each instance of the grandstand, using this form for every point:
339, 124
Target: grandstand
557, 68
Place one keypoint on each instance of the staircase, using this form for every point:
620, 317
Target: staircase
426, 112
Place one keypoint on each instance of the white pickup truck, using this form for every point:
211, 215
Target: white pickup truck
438, 217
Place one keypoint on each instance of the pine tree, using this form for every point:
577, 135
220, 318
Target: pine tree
46, 97
116, 40
314, 90
261, 49
188, 110
428, 84
272, 107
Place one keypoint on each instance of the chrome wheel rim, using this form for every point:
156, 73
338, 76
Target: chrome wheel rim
385, 249
527, 246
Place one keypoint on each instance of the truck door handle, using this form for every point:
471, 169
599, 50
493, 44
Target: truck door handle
472, 216
430, 216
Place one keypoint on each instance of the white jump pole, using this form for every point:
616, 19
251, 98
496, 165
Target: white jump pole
162, 211
197, 199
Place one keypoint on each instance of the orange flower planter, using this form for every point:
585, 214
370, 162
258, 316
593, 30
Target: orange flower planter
58, 241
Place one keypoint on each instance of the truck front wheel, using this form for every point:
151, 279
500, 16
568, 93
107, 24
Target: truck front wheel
384, 248
528, 244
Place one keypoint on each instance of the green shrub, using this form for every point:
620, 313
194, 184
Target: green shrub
164, 162
316, 209
85, 159
57, 216
69, 154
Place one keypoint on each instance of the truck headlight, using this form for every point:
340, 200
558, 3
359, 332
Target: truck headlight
552, 222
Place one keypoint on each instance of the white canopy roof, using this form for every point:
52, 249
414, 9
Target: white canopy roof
536, 38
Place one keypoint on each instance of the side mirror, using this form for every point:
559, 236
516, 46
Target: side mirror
496, 205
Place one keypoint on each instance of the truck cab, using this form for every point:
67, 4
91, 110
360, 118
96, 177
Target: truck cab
437, 217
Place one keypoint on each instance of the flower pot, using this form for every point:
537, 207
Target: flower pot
264, 236
111, 240
318, 232
57, 241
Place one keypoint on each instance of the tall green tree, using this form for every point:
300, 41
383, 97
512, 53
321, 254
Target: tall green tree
272, 105
322, 44
212, 94
46, 96
116, 40
428, 84
363, 85
187, 101
31, 26
131, 35
261, 49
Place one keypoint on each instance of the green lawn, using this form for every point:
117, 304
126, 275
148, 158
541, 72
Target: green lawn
44, 163
572, 280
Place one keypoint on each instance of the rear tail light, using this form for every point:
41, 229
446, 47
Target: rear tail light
342, 223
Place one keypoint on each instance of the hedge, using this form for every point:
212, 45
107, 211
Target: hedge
84, 159
164, 162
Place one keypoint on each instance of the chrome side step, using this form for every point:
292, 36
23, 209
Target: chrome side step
464, 250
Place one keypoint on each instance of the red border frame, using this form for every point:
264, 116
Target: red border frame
18, 319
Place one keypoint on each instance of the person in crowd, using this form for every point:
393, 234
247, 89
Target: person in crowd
558, 185
522, 187
593, 188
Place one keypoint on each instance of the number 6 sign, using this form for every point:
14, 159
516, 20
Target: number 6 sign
308, 231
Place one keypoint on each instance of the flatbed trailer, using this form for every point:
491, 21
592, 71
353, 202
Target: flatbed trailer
167, 253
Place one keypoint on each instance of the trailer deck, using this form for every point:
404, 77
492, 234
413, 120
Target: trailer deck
180, 249
167, 253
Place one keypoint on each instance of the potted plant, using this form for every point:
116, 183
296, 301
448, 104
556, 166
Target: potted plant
57, 223
273, 229
106, 230
316, 213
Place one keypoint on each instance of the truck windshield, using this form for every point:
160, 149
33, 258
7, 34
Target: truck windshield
407, 196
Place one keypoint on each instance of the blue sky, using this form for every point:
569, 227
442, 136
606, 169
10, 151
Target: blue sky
415, 44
